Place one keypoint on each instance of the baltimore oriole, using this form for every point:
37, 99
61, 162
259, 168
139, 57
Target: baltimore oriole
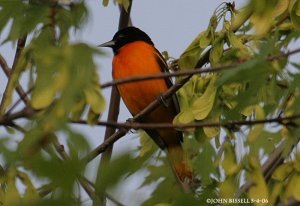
135, 55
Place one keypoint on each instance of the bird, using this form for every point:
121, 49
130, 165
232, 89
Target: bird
136, 55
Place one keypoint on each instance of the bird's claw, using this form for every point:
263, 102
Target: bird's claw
163, 101
130, 120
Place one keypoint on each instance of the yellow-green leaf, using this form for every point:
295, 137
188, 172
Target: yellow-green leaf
282, 172
203, 105
257, 129
12, 196
147, 144
61, 79
241, 17
281, 7
275, 192
31, 195
95, 99
259, 189
204, 40
190, 56
248, 111
12, 82
92, 117
184, 117
78, 109
235, 41
295, 15
293, 187
43, 96
228, 188
216, 52
125, 3
211, 132
229, 162
105, 2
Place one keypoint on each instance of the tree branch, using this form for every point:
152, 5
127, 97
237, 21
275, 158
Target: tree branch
20, 46
137, 125
7, 72
113, 114
192, 71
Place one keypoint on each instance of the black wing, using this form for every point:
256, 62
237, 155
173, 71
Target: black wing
164, 68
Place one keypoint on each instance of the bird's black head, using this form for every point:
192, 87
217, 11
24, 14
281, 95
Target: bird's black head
125, 36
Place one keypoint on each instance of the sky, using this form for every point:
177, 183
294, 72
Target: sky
171, 24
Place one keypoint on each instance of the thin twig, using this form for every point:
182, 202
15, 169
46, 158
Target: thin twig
113, 114
191, 71
137, 125
20, 46
18, 101
7, 72
24, 113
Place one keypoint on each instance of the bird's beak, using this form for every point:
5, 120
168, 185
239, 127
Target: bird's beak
108, 44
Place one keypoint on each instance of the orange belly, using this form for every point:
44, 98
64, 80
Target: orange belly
137, 59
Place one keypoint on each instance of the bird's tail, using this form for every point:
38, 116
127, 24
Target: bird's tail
180, 166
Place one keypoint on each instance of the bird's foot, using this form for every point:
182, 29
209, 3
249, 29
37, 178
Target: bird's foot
162, 100
130, 121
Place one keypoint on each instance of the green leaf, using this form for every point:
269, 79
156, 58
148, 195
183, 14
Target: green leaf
205, 157
295, 15
265, 141
117, 168
203, 105
25, 17
77, 145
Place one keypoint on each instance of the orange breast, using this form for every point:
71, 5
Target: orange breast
137, 59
